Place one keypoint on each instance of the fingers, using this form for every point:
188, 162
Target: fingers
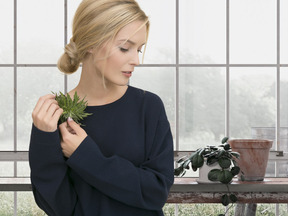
41, 102
65, 129
74, 126
46, 113
71, 139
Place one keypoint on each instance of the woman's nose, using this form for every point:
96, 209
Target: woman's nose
135, 59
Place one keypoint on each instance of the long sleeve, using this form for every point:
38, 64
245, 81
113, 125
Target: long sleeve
146, 186
52, 189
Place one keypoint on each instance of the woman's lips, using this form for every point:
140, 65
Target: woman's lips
127, 73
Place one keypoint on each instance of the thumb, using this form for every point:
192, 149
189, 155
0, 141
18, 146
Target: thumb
73, 125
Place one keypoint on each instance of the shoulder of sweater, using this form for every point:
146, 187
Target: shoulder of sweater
148, 97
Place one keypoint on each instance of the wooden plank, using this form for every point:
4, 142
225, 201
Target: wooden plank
197, 197
271, 190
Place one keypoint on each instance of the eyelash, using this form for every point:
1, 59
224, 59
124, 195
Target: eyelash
123, 50
126, 50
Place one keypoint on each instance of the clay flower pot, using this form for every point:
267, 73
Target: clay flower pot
253, 159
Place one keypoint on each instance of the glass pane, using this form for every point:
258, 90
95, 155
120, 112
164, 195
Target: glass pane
23, 169
194, 209
282, 170
73, 79
284, 109
7, 203
40, 31
252, 100
6, 169
33, 83
7, 109
253, 32
284, 31
202, 31
72, 7
161, 41
26, 205
7, 34
202, 107
162, 84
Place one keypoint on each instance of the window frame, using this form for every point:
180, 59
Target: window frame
17, 156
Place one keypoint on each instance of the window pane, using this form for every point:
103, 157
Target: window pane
253, 31
202, 31
284, 32
202, 107
284, 109
7, 109
72, 7
23, 169
7, 34
6, 169
161, 41
26, 205
6, 200
281, 171
33, 83
284, 97
252, 100
40, 31
73, 79
161, 82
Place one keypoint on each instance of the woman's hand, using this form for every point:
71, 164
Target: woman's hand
46, 113
72, 136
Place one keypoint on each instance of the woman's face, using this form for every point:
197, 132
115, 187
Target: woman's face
123, 56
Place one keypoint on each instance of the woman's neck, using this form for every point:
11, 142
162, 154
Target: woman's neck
91, 86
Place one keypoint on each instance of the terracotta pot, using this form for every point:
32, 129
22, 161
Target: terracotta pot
254, 155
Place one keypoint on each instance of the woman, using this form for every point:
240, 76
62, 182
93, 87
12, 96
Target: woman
121, 161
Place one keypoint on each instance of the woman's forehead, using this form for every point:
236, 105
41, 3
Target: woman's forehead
132, 33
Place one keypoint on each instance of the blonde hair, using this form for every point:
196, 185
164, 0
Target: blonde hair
95, 23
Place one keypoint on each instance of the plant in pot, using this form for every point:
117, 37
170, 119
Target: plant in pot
211, 155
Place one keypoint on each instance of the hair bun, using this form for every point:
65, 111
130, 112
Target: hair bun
69, 61
71, 51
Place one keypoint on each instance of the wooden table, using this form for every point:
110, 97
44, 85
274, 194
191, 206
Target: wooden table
271, 190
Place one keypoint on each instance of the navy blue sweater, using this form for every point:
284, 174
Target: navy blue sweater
124, 167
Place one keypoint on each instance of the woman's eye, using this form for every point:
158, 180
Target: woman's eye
139, 51
123, 49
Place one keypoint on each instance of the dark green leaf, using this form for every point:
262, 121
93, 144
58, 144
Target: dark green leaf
224, 140
227, 147
211, 160
224, 163
213, 175
233, 198
225, 176
178, 171
235, 170
194, 168
225, 200
197, 160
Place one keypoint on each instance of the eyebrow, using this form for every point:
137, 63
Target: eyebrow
129, 41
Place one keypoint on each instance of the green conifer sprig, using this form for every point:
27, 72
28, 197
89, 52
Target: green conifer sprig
71, 108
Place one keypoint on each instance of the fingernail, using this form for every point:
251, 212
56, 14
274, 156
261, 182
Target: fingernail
70, 119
